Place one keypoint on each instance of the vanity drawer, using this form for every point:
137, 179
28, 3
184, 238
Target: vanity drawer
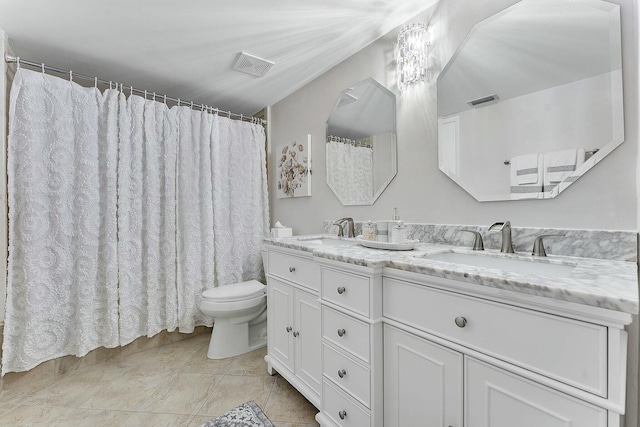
348, 374
346, 332
302, 271
567, 350
346, 290
341, 409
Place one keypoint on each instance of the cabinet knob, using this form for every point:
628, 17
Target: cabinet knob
289, 328
296, 333
342, 414
341, 332
461, 322
341, 290
292, 269
342, 373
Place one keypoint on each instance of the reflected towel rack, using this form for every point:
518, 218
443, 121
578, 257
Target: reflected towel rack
587, 154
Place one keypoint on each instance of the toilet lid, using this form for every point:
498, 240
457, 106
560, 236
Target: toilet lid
236, 291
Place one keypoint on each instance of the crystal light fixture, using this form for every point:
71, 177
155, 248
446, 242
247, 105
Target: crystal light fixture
412, 55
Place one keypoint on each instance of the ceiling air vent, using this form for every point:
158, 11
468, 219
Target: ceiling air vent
253, 65
483, 100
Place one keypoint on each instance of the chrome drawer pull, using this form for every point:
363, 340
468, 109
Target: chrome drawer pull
341, 290
342, 414
296, 333
292, 269
289, 328
341, 332
342, 373
461, 322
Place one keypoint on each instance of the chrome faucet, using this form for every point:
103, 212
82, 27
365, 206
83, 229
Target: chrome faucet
505, 227
349, 221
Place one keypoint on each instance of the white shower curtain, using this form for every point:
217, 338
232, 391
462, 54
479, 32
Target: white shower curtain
121, 211
240, 205
223, 211
62, 288
195, 214
146, 218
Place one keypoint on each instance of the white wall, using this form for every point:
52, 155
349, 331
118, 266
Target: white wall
605, 198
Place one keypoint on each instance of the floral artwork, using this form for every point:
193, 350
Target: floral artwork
294, 168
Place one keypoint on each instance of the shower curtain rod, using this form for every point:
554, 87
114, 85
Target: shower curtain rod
16, 59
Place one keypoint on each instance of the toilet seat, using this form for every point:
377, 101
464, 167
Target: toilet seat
235, 292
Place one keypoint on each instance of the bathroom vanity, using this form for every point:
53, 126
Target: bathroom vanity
382, 338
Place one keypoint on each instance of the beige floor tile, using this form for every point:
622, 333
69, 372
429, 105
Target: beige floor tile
287, 424
287, 404
200, 364
182, 394
126, 392
90, 418
201, 340
24, 383
250, 364
163, 359
40, 415
72, 390
198, 420
235, 390
158, 420
9, 401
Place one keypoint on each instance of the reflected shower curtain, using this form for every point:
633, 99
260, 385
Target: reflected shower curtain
62, 288
350, 172
121, 212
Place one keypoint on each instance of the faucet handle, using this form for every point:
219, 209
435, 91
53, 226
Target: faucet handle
538, 244
339, 223
478, 245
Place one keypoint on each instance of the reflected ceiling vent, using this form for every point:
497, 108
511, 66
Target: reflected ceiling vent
483, 100
253, 65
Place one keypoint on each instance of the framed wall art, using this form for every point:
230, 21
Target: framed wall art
293, 171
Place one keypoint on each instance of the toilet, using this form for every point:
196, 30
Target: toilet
239, 311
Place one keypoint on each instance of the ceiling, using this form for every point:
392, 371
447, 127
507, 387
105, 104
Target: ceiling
186, 48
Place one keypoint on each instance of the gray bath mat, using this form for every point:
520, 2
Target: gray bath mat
246, 415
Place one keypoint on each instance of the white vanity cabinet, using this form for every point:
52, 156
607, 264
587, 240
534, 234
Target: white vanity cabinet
422, 381
293, 310
458, 355
384, 347
352, 360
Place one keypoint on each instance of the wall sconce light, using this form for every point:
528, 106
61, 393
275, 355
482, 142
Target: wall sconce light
412, 55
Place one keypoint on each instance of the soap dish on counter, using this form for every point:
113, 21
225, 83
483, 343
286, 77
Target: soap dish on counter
408, 245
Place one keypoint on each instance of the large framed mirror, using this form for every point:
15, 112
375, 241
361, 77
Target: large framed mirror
361, 143
532, 99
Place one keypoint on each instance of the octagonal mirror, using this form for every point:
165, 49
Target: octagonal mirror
361, 143
532, 99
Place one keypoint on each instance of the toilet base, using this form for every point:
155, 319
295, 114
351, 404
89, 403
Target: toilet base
232, 338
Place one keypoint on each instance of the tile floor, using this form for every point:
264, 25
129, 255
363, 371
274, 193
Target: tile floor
172, 385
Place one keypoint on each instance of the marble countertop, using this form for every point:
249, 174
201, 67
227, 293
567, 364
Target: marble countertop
595, 282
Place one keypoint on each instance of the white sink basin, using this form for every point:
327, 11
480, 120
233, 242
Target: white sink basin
327, 241
513, 265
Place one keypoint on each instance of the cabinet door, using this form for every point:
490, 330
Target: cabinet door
280, 324
308, 339
422, 382
495, 398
